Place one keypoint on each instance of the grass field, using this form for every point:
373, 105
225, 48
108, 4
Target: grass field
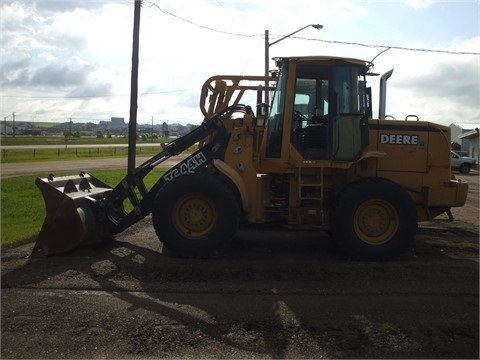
23, 209
60, 140
70, 152
22, 206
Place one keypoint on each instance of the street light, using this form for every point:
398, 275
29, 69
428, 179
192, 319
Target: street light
267, 47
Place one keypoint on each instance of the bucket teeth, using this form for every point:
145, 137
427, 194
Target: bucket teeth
70, 187
84, 185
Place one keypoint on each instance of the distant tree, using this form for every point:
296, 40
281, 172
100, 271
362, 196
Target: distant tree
99, 134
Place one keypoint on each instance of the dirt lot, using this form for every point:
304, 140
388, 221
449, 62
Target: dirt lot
275, 294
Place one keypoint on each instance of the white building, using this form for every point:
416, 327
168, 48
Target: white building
467, 136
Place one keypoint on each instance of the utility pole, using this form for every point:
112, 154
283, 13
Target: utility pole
132, 124
267, 47
68, 134
13, 127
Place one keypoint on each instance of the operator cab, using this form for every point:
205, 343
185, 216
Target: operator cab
327, 116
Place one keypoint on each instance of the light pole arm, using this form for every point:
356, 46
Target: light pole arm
286, 36
268, 44
267, 47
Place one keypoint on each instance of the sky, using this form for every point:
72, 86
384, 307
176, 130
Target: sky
65, 60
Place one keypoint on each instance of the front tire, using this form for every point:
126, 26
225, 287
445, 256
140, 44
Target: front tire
195, 215
374, 219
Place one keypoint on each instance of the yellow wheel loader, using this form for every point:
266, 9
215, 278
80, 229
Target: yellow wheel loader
312, 159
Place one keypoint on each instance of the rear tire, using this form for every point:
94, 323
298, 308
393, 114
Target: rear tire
374, 219
196, 215
464, 168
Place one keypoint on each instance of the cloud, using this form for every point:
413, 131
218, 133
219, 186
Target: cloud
49, 7
441, 88
92, 90
59, 75
78, 52
56, 75
15, 73
347, 9
241, 6
420, 4
449, 81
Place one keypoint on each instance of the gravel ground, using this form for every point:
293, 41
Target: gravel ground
274, 294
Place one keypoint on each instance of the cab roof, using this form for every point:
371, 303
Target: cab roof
326, 59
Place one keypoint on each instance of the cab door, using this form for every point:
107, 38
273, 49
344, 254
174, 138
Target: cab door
348, 112
329, 120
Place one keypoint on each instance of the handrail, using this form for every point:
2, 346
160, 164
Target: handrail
220, 91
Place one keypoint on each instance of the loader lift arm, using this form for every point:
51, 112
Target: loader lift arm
115, 217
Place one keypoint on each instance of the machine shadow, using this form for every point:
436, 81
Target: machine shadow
148, 280
251, 289
254, 268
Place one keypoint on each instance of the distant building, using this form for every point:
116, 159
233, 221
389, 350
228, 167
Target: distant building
165, 132
118, 121
467, 135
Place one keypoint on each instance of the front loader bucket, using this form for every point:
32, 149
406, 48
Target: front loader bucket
71, 204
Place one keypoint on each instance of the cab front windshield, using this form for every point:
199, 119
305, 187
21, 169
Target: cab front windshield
329, 90
276, 116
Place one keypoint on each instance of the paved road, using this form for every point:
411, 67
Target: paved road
47, 167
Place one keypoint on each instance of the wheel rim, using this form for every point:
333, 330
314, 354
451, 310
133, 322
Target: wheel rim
195, 216
376, 222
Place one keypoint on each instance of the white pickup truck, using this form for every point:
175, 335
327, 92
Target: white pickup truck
461, 163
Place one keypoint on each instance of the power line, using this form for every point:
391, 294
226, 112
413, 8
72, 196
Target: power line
92, 96
393, 47
152, 4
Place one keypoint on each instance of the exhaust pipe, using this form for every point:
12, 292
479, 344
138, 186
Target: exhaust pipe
71, 204
383, 94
